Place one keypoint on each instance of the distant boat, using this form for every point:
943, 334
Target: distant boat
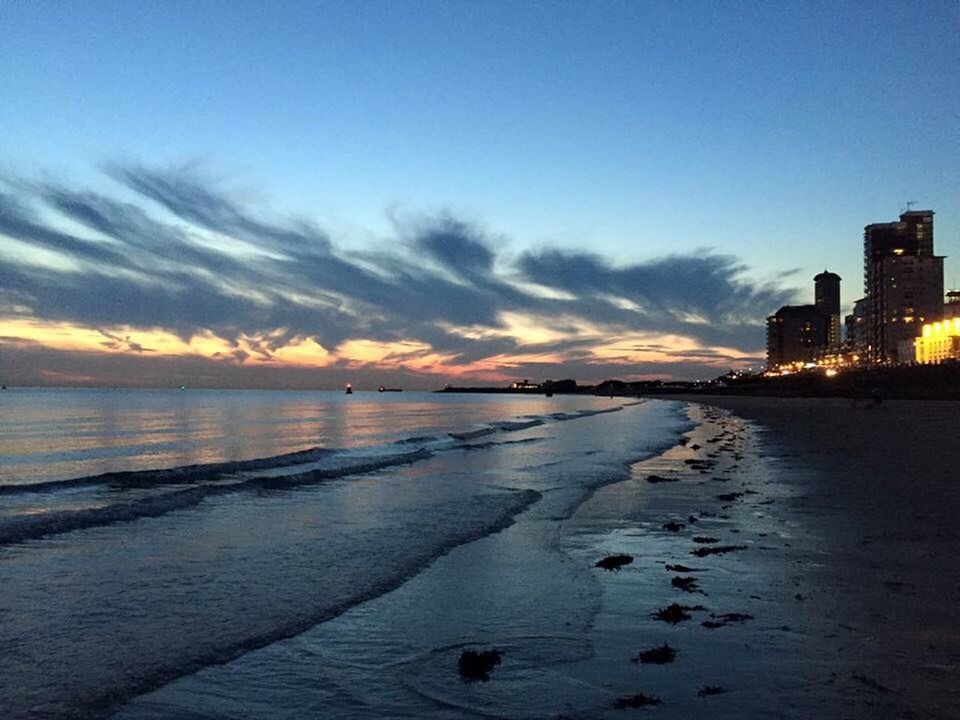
349, 389
386, 389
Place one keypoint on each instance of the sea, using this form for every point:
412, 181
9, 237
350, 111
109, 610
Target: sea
248, 554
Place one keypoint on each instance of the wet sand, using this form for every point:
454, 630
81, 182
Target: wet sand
835, 589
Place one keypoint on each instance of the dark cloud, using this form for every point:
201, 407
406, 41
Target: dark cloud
213, 265
455, 246
705, 284
190, 197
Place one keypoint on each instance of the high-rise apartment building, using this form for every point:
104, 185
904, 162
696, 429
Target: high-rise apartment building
826, 297
903, 282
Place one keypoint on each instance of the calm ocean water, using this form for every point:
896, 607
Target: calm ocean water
207, 553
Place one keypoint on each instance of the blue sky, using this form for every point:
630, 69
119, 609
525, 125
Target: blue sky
771, 132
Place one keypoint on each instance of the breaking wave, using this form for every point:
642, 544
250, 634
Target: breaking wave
279, 472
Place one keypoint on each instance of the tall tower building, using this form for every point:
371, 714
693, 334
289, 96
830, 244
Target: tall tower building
903, 282
826, 298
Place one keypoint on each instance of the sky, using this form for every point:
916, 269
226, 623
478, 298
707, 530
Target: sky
241, 194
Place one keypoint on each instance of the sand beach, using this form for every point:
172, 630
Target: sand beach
798, 557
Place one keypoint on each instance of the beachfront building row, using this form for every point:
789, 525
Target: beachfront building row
892, 323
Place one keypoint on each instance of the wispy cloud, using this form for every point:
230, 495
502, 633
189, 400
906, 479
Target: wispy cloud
188, 271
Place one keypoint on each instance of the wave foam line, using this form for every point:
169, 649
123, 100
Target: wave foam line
313, 476
55, 523
513, 426
471, 434
182, 475
33, 527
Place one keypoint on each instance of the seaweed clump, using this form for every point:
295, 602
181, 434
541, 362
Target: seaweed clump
661, 479
474, 665
675, 613
687, 584
656, 656
614, 562
635, 701
725, 619
716, 550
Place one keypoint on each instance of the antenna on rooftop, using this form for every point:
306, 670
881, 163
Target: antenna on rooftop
910, 203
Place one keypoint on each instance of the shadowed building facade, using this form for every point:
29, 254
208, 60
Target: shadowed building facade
903, 283
805, 333
826, 297
856, 329
796, 333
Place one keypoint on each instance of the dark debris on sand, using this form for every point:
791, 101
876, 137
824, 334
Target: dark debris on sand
681, 568
474, 665
707, 690
687, 584
705, 540
717, 550
635, 701
660, 479
673, 526
729, 497
725, 619
656, 656
675, 613
614, 562
692, 519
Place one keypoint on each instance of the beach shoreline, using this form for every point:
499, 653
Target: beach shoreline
787, 558
863, 574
